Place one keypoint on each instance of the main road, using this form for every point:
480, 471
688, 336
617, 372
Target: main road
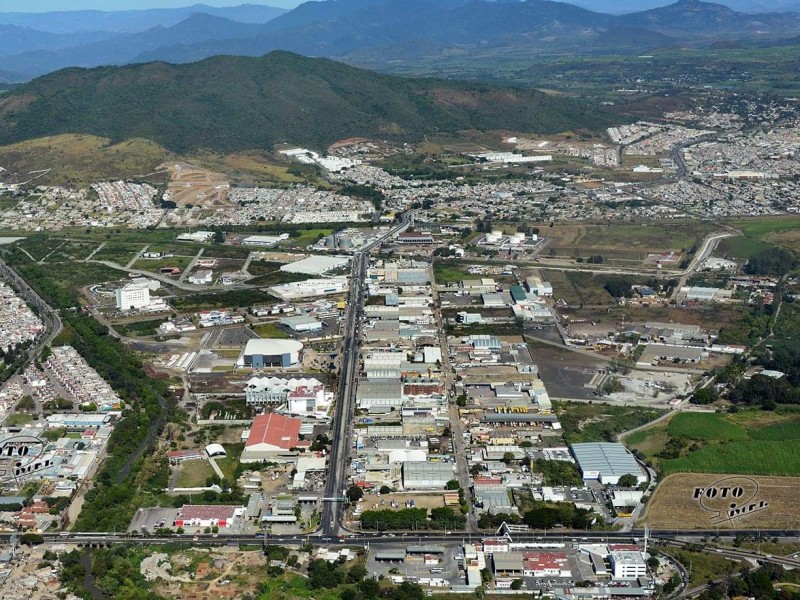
332, 512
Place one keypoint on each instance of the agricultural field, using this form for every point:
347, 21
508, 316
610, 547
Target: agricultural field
673, 506
752, 442
632, 241
778, 231
739, 247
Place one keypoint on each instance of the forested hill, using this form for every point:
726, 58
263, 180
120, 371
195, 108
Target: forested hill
233, 103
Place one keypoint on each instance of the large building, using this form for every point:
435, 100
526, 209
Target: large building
427, 475
606, 462
628, 564
260, 353
274, 391
303, 323
309, 288
134, 296
316, 265
192, 515
272, 436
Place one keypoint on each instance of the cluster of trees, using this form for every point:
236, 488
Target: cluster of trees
11, 360
619, 287
765, 391
564, 514
556, 472
755, 584
412, 518
772, 261
365, 192
115, 572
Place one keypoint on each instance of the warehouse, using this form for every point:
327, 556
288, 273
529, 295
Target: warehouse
302, 323
208, 516
380, 392
653, 353
265, 240
260, 353
272, 435
427, 475
316, 265
606, 462
309, 288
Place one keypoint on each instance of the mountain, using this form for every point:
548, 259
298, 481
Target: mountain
697, 17
386, 30
616, 7
234, 103
335, 29
132, 21
15, 39
125, 48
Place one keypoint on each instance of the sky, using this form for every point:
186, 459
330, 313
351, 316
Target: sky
48, 5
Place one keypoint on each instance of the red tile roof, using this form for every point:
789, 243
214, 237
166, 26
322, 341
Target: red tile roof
275, 430
538, 561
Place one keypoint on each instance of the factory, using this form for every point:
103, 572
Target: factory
309, 288
427, 475
606, 462
272, 436
316, 265
261, 353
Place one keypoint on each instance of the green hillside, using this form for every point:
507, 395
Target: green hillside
235, 103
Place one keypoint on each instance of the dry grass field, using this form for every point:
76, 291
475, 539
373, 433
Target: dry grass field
193, 185
673, 505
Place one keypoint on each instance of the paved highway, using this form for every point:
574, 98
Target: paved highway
343, 418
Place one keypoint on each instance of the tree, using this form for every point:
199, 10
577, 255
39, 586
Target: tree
356, 574
516, 584
706, 395
628, 480
354, 493
508, 457
385, 489
452, 485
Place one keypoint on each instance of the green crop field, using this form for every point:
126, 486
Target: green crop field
752, 442
705, 426
739, 247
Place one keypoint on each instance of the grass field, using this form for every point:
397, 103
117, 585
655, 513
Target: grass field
193, 473
673, 506
231, 299
780, 231
270, 330
578, 288
118, 252
750, 442
448, 273
705, 426
739, 247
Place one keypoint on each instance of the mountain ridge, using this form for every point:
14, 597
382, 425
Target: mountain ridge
233, 103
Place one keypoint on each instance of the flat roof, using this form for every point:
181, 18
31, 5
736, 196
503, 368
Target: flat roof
315, 265
272, 347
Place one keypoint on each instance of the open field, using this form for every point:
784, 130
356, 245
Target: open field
673, 505
705, 566
270, 330
78, 160
779, 231
635, 239
739, 247
583, 422
193, 473
190, 185
578, 288
750, 441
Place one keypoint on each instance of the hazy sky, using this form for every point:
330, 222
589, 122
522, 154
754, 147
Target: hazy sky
47, 5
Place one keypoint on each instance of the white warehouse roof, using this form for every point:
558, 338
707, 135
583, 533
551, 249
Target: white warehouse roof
316, 265
272, 347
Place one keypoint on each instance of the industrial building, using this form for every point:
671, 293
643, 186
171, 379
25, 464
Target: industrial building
302, 323
606, 462
77, 421
274, 391
309, 288
191, 515
427, 475
260, 353
201, 277
316, 265
270, 436
538, 286
265, 240
380, 392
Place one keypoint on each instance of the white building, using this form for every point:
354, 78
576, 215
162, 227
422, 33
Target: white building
539, 286
628, 564
133, 296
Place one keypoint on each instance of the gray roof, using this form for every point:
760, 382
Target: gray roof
428, 470
390, 555
425, 550
608, 458
377, 389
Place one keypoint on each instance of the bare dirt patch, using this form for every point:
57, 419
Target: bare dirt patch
193, 185
769, 502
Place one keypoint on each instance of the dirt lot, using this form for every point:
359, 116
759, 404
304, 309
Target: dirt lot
421, 500
774, 499
200, 187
